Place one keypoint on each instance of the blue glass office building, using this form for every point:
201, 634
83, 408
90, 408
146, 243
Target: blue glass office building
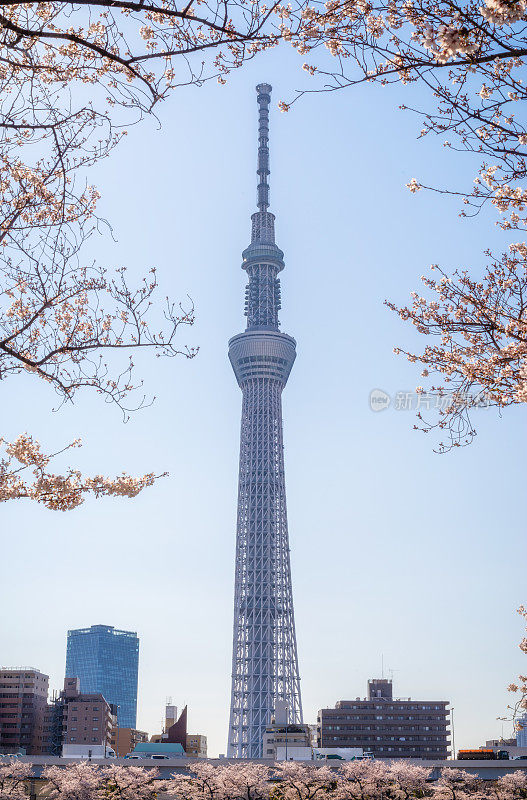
106, 660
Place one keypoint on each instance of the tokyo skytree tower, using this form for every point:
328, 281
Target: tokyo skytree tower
264, 653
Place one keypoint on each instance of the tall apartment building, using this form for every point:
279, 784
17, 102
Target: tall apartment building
106, 661
87, 719
387, 727
23, 703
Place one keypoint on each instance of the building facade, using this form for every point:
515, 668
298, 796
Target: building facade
264, 653
281, 742
23, 710
106, 661
196, 746
80, 718
387, 727
123, 740
280, 734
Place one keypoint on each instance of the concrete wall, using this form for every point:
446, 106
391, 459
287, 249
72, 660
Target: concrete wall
489, 770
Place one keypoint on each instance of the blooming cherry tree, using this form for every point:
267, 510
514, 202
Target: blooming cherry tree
78, 781
245, 781
456, 784
14, 778
470, 56
408, 780
361, 780
205, 782
512, 786
131, 783
480, 348
304, 781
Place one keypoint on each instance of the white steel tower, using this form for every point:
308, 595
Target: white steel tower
264, 653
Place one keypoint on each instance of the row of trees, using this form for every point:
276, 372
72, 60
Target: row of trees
356, 780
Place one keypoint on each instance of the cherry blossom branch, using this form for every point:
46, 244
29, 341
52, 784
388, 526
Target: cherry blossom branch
62, 492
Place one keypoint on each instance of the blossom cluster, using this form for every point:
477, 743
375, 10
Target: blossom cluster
480, 329
56, 492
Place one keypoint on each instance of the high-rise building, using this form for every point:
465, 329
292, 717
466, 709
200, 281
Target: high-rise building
387, 727
264, 658
23, 711
106, 660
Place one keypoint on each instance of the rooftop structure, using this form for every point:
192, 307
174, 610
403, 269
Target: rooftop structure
264, 657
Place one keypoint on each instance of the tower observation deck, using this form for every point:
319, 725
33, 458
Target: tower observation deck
264, 654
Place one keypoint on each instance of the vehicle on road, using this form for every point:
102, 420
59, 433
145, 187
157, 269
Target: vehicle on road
483, 754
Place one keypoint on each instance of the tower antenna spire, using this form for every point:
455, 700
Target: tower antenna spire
264, 98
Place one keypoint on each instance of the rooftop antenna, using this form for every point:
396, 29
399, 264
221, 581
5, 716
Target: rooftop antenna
264, 98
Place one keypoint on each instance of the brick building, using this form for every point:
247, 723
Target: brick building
387, 727
79, 718
23, 704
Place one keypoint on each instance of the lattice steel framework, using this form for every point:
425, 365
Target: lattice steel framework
264, 654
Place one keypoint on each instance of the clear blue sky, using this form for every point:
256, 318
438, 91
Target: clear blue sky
396, 551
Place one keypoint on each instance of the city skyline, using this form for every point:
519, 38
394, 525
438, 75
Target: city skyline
379, 569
